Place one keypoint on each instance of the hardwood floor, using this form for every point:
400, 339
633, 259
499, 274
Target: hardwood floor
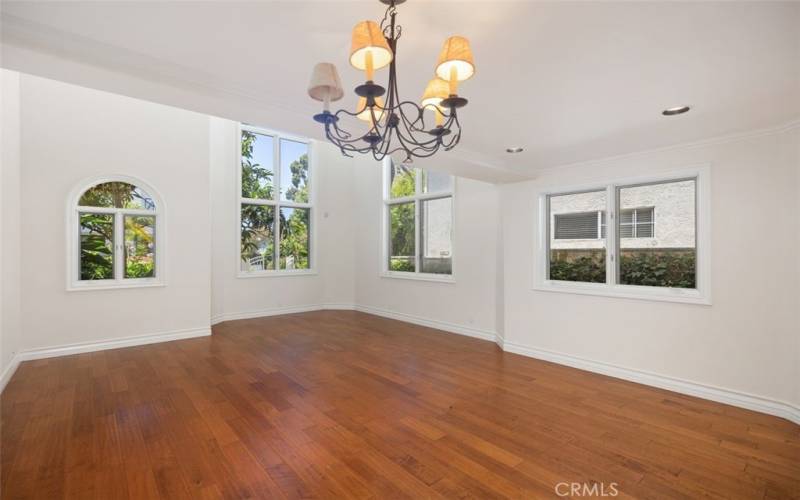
339, 404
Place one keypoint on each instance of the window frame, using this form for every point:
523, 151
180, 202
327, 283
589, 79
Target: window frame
276, 203
417, 198
701, 174
73, 238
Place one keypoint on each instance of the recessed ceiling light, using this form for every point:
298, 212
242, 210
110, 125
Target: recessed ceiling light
678, 110
516, 149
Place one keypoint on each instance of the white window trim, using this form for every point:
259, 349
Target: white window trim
700, 295
417, 198
74, 283
277, 203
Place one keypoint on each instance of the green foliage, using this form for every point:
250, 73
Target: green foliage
670, 269
586, 268
139, 269
258, 221
665, 268
139, 251
256, 179
299, 190
402, 181
97, 249
294, 237
401, 264
257, 233
402, 230
116, 195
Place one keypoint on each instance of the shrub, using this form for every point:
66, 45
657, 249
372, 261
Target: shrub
584, 268
673, 268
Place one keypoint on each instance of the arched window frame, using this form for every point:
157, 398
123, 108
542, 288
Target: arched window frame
74, 281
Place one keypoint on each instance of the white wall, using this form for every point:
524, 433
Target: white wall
332, 285
746, 341
9, 223
71, 133
469, 304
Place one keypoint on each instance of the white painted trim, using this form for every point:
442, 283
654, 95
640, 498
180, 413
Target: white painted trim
703, 391
700, 295
74, 283
102, 345
417, 198
712, 393
261, 313
13, 364
430, 323
712, 141
277, 203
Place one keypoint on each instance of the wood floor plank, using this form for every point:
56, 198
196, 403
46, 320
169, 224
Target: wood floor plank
341, 404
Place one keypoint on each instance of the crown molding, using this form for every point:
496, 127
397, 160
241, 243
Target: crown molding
783, 128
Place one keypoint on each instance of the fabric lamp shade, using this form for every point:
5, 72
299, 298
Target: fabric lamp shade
435, 92
325, 84
366, 114
455, 59
368, 42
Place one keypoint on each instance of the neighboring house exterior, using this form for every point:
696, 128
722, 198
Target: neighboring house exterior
651, 216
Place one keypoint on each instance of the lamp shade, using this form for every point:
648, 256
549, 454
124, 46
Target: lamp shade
435, 92
366, 114
325, 83
368, 39
457, 54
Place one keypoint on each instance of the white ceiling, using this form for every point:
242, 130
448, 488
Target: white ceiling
569, 82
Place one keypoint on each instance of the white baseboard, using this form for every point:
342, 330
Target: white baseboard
9, 372
727, 396
431, 323
275, 311
83, 347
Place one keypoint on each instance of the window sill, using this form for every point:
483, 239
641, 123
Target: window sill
438, 278
657, 294
93, 286
276, 274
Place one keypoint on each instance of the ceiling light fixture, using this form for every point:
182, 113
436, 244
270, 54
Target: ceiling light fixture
678, 110
395, 126
515, 149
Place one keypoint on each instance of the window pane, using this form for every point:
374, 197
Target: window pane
436, 225
257, 166
294, 171
659, 248
117, 195
401, 237
577, 248
435, 182
295, 238
579, 226
258, 238
140, 246
401, 181
97, 246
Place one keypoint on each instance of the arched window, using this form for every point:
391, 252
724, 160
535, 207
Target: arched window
116, 235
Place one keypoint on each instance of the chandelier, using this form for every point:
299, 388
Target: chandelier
394, 127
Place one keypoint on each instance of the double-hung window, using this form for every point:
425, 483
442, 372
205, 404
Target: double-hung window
418, 229
275, 204
637, 238
116, 235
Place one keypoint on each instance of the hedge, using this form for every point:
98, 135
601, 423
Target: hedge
667, 268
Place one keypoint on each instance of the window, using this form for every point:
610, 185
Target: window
657, 246
419, 222
275, 205
116, 236
637, 222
